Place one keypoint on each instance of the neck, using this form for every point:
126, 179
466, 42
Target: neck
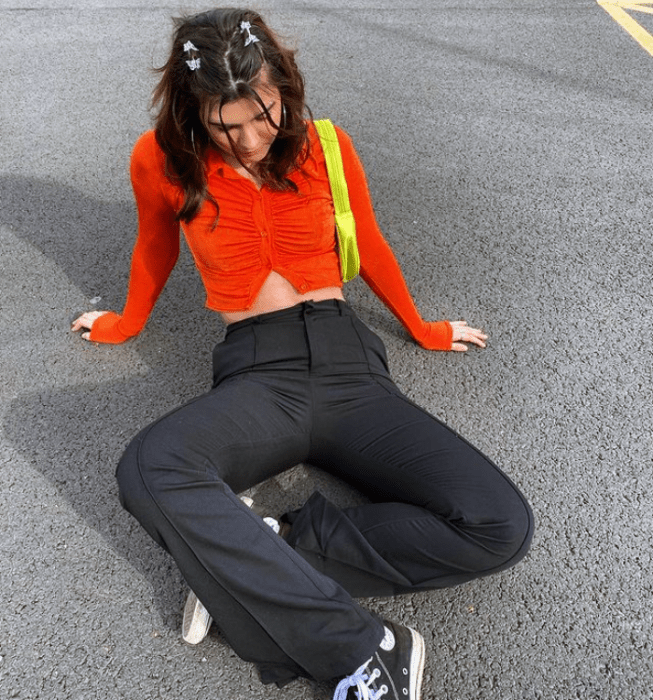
251, 173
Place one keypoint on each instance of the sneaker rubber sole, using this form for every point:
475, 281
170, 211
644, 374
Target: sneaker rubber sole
197, 621
416, 664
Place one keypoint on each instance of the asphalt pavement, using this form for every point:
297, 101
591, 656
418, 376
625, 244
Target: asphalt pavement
508, 150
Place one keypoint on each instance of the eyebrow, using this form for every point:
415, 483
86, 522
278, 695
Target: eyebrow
231, 126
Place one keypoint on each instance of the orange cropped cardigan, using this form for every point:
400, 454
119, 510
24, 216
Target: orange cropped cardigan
258, 231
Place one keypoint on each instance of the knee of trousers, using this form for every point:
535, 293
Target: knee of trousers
130, 482
153, 466
514, 534
134, 496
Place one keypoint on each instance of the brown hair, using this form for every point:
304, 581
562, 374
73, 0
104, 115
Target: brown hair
228, 70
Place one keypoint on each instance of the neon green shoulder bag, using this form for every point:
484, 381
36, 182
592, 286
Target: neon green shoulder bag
345, 222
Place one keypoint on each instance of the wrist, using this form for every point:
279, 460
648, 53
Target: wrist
437, 335
107, 329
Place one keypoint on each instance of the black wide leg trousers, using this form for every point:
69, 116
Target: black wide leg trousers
311, 384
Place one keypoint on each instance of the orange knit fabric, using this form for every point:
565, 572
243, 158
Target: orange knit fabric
258, 231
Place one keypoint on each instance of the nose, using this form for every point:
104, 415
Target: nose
248, 139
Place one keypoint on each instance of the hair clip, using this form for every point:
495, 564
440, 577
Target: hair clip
251, 38
194, 63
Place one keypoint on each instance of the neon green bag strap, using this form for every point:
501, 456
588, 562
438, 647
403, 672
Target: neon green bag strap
345, 222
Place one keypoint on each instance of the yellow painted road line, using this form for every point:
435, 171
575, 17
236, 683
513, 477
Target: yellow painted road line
637, 7
616, 11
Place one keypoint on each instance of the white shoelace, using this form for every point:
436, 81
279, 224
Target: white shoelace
361, 681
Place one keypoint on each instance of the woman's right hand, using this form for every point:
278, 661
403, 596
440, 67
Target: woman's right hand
86, 320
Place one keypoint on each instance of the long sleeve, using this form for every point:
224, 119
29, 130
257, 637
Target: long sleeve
379, 267
156, 249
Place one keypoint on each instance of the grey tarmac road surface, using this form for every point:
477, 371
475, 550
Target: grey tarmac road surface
508, 148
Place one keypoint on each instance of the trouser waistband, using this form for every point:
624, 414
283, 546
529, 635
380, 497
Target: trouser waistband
324, 337
295, 313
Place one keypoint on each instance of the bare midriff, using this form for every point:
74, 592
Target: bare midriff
277, 293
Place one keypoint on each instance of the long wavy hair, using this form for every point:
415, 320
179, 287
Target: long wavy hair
215, 68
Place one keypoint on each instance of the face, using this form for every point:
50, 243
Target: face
245, 122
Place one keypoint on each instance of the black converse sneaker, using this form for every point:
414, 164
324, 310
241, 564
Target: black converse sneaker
393, 673
197, 620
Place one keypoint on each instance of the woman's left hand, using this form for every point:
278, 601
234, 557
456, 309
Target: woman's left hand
461, 331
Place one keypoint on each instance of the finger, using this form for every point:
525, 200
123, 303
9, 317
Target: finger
86, 336
83, 319
458, 347
464, 328
476, 332
470, 335
86, 320
475, 339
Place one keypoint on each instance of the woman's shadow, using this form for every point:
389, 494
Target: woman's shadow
75, 434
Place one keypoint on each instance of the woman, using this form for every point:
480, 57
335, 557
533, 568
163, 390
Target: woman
298, 378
